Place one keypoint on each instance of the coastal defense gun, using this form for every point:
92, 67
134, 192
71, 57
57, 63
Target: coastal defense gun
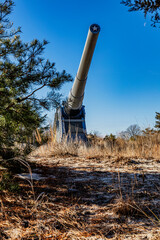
70, 118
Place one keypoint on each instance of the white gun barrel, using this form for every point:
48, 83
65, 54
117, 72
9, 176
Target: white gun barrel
76, 94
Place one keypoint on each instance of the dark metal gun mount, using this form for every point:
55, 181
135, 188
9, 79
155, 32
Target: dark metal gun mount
70, 119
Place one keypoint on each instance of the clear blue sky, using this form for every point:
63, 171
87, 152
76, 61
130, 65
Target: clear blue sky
123, 86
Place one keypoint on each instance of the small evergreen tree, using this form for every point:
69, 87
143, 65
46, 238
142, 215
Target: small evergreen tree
157, 125
148, 131
23, 71
111, 138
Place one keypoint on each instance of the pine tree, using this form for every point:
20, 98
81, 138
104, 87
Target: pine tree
157, 125
23, 71
147, 6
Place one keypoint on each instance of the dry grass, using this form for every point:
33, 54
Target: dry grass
143, 147
76, 204
102, 190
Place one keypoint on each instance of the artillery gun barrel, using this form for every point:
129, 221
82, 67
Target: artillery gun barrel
76, 94
70, 118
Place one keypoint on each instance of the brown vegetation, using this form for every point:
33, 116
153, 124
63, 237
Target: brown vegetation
108, 189
145, 146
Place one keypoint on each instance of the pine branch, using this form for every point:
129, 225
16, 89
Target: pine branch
25, 98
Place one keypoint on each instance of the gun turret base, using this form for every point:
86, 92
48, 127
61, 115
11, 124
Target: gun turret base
70, 127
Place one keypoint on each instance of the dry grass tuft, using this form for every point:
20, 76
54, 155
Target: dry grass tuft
147, 146
91, 152
127, 207
52, 149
